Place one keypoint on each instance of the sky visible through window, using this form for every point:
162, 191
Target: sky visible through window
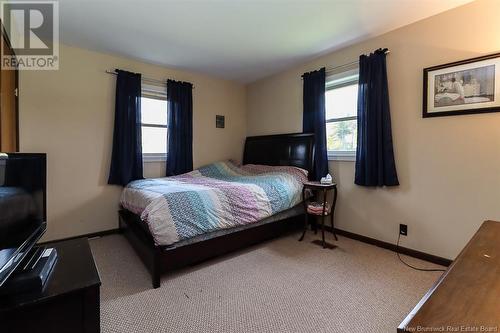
340, 103
154, 112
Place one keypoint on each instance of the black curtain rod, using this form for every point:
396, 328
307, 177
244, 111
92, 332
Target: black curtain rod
332, 68
329, 69
144, 78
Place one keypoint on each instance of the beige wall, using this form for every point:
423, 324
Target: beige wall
449, 167
69, 115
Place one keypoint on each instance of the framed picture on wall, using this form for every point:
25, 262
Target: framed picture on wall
462, 87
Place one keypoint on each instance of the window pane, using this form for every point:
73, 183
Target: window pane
153, 111
154, 140
341, 135
342, 102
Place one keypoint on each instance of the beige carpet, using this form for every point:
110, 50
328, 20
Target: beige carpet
279, 286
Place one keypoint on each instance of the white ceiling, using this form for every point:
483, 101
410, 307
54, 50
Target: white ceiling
241, 40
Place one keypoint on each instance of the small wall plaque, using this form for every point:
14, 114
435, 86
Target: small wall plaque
219, 121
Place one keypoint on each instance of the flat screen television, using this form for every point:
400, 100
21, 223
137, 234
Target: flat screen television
23, 213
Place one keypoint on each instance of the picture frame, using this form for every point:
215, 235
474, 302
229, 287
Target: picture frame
220, 121
463, 87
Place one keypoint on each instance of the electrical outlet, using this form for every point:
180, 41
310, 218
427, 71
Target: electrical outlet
403, 229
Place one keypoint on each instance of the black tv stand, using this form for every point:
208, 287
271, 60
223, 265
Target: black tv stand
69, 302
33, 272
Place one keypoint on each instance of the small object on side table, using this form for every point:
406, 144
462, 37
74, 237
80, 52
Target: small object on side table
327, 180
320, 209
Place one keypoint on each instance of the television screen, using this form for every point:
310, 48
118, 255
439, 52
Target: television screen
22, 207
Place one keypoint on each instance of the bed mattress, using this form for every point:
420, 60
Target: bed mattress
214, 198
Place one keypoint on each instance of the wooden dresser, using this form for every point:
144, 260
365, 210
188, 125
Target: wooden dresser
70, 303
467, 296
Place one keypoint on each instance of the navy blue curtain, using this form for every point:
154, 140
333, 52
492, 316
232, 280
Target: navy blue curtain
313, 120
126, 159
375, 164
180, 127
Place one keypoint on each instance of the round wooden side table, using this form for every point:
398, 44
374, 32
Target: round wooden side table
320, 189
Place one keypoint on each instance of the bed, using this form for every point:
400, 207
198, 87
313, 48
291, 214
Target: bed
177, 221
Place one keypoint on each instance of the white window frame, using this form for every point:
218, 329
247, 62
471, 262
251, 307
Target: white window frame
334, 81
156, 92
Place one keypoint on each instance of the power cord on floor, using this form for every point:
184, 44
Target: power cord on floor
413, 267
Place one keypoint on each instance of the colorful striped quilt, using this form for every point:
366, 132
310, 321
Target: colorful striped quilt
217, 196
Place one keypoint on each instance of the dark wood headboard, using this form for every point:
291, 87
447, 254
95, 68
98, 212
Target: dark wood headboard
282, 149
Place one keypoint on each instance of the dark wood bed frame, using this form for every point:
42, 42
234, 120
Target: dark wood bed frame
283, 149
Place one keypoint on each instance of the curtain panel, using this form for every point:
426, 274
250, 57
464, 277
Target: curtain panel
375, 165
180, 127
313, 120
126, 158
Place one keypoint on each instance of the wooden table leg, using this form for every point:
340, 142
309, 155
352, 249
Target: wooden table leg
305, 228
332, 212
323, 219
333, 228
305, 214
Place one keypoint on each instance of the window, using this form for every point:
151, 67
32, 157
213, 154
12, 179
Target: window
154, 123
341, 99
